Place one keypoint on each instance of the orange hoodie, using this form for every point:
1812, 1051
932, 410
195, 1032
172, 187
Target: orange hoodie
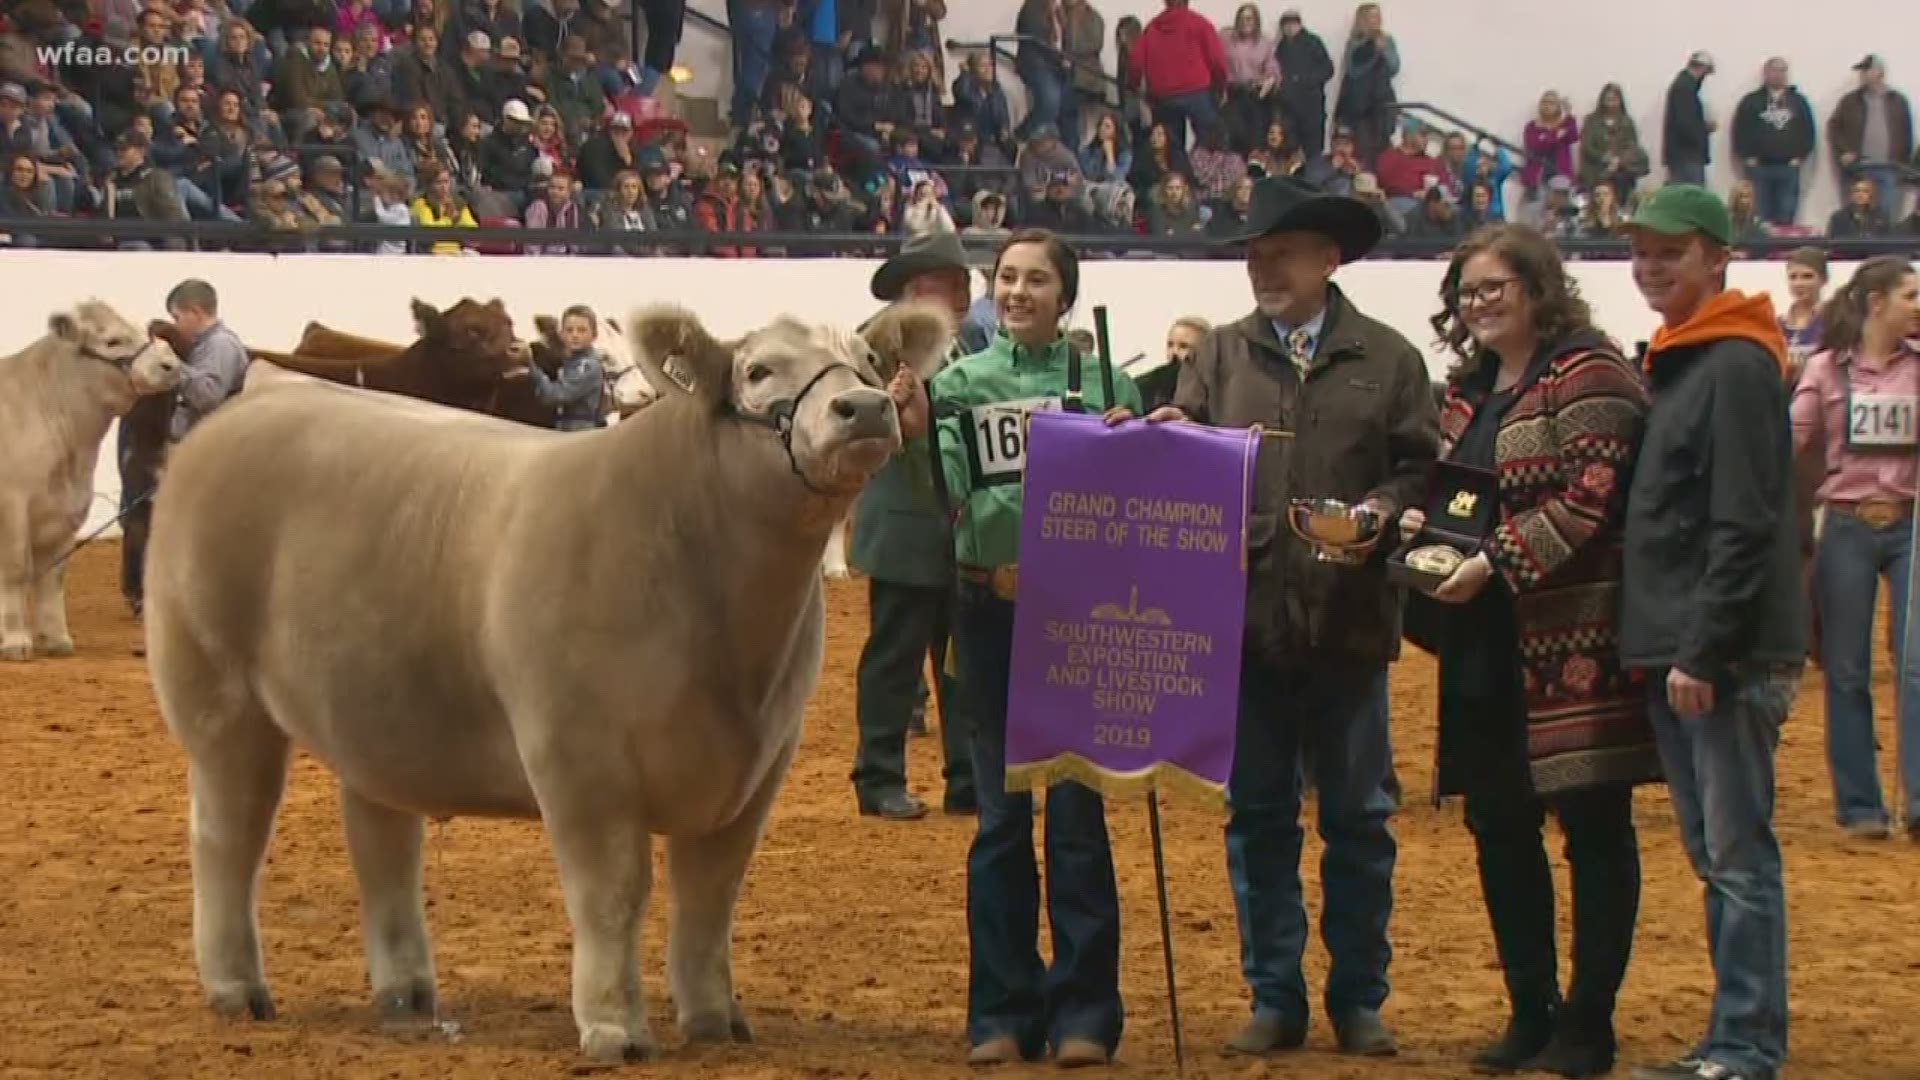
1731, 314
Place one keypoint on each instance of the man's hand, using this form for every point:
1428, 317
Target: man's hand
910, 400
1687, 695
1120, 414
1411, 523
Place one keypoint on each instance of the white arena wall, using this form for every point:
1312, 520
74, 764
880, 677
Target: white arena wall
269, 299
1487, 61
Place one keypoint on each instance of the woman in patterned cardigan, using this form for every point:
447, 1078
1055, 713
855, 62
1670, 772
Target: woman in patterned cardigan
1536, 713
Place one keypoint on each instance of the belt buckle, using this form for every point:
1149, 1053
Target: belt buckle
1878, 514
1005, 581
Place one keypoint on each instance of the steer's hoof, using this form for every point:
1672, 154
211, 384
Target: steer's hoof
716, 1029
741, 1031
605, 1044
16, 652
242, 1003
407, 1010
47, 646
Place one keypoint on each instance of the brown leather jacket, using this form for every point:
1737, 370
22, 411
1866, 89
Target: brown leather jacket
1365, 426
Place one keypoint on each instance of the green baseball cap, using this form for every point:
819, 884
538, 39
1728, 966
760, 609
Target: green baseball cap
1679, 209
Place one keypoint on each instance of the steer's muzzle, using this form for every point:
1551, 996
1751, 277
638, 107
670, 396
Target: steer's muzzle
520, 352
863, 413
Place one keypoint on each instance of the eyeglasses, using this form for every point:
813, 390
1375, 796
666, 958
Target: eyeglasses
1486, 292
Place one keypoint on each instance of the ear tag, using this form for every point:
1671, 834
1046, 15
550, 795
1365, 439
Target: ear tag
678, 372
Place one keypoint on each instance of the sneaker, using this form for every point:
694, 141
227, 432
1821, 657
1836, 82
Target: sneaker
1867, 830
1686, 1068
1714, 1070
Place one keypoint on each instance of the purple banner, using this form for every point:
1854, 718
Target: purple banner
1132, 597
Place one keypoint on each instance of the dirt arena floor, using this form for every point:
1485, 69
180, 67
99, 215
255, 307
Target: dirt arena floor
851, 945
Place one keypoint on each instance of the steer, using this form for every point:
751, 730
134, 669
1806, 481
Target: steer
58, 397
463, 357
614, 632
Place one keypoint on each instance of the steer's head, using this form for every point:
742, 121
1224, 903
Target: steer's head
474, 341
100, 335
819, 386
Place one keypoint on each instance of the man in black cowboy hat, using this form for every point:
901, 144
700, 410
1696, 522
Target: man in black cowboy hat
1356, 402
902, 543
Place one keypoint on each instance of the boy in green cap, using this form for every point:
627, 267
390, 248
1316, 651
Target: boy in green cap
1712, 608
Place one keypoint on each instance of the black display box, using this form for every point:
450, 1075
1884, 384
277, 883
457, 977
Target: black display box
1462, 508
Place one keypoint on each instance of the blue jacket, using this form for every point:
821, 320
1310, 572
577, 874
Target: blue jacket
576, 393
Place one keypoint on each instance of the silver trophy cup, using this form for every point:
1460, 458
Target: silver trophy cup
1339, 533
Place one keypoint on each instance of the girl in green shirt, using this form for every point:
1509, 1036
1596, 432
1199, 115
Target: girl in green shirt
1016, 1008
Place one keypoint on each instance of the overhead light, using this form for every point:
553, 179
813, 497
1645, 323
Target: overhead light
680, 73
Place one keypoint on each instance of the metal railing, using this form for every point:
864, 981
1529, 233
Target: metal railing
95, 233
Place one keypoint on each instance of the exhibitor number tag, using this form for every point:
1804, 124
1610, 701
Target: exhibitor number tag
1881, 421
999, 435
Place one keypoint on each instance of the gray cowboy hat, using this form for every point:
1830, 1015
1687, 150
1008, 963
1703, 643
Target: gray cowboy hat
922, 253
1283, 204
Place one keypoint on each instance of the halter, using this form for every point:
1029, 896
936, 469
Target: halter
778, 418
125, 364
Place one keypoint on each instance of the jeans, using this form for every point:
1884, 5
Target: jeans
136, 509
1719, 770
1045, 88
753, 28
1350, 759
1009, 992
1776, 192
1687, 172
1178, 112
904, 623
1847, 567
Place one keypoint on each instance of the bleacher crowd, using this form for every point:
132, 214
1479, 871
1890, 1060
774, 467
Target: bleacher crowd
844, 117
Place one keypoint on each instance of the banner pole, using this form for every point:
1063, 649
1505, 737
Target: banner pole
1166, 927
1106, 356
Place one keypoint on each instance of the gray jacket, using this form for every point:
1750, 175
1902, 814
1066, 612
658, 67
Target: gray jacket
211, 373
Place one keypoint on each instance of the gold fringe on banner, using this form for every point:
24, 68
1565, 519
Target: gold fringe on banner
1162, 775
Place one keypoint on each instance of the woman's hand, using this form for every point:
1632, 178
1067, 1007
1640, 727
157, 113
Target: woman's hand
1411, 522
1466, 580
1120, 414
910, 401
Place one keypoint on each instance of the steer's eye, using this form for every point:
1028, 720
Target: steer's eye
758, 373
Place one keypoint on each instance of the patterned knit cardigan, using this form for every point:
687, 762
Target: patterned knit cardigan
1564, 453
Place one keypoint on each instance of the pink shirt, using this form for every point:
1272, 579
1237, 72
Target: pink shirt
1821, 418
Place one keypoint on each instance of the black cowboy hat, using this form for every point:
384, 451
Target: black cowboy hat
1283, 204
921, 253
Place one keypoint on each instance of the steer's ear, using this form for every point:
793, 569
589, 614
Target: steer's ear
427, 320
677, 354
917, 333
64, 326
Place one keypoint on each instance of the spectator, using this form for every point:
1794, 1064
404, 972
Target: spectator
977, 97
423, 144
421, 75
1182, 65
1114, 209
24, 197
1366, 96
495, 18
1556, 214
672, 205
913, 26
1335, 171
1044, 157
547, 28
1108, 156
554, 208
607, 153
910, 167
883, 208
507, 155
626, 210
1083, 34
1228, 218
1041, 64
439, 206
1549, 139
1057, 206
241, 65
1173, 210
1773, 137
753, 25
1686, 131
1743, 210
389, 207
466, 140
1861, 217
1160, 159
506, 79
1435, 219
719, 209
1126, 98
574, 91
1603, 219
868, 109
326, 197
925, 113
989, 221
473, 79
1610, 150
1216, 167
1801, 324
924, 213
1453, 158
830, 208
1305, 70
134, 189
1871, 132
306, 82
1253, 79
1479, 209
802, 146
377, 140
794, 74
1277, 154
1406, 171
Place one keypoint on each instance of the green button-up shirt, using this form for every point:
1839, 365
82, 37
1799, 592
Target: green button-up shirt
988, 532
